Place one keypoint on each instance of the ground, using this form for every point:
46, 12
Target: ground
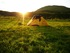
19, 38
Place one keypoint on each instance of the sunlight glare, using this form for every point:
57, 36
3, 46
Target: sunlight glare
23, 14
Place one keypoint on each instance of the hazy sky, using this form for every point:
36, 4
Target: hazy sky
29, 5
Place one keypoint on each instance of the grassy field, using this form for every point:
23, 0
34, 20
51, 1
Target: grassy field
19, 38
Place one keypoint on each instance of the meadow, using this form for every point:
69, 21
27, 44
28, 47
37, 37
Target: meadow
20, 38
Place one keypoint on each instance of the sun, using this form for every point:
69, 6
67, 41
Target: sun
23, 12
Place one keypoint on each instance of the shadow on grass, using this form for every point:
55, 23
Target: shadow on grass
35, 40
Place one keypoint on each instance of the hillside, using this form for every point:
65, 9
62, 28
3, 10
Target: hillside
6, 13
53, 9
60, 12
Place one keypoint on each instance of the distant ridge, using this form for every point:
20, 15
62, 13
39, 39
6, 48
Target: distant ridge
53, 8
51, 12
7, 13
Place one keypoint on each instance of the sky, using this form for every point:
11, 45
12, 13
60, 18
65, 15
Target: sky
29, 5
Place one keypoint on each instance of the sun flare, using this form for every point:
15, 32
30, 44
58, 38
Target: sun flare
24, 13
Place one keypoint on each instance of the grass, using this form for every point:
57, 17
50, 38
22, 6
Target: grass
19, 38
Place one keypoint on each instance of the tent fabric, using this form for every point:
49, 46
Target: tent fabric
37, 21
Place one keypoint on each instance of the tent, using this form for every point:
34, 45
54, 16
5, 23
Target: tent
37, 20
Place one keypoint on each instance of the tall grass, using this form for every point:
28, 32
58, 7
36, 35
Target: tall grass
16, 38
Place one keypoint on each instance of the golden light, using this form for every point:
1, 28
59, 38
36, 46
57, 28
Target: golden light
23, 15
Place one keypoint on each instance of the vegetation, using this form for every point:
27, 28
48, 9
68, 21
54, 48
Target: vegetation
16, 37
49, 12
54, 9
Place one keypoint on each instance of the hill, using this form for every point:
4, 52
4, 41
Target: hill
54, 9
6, 13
